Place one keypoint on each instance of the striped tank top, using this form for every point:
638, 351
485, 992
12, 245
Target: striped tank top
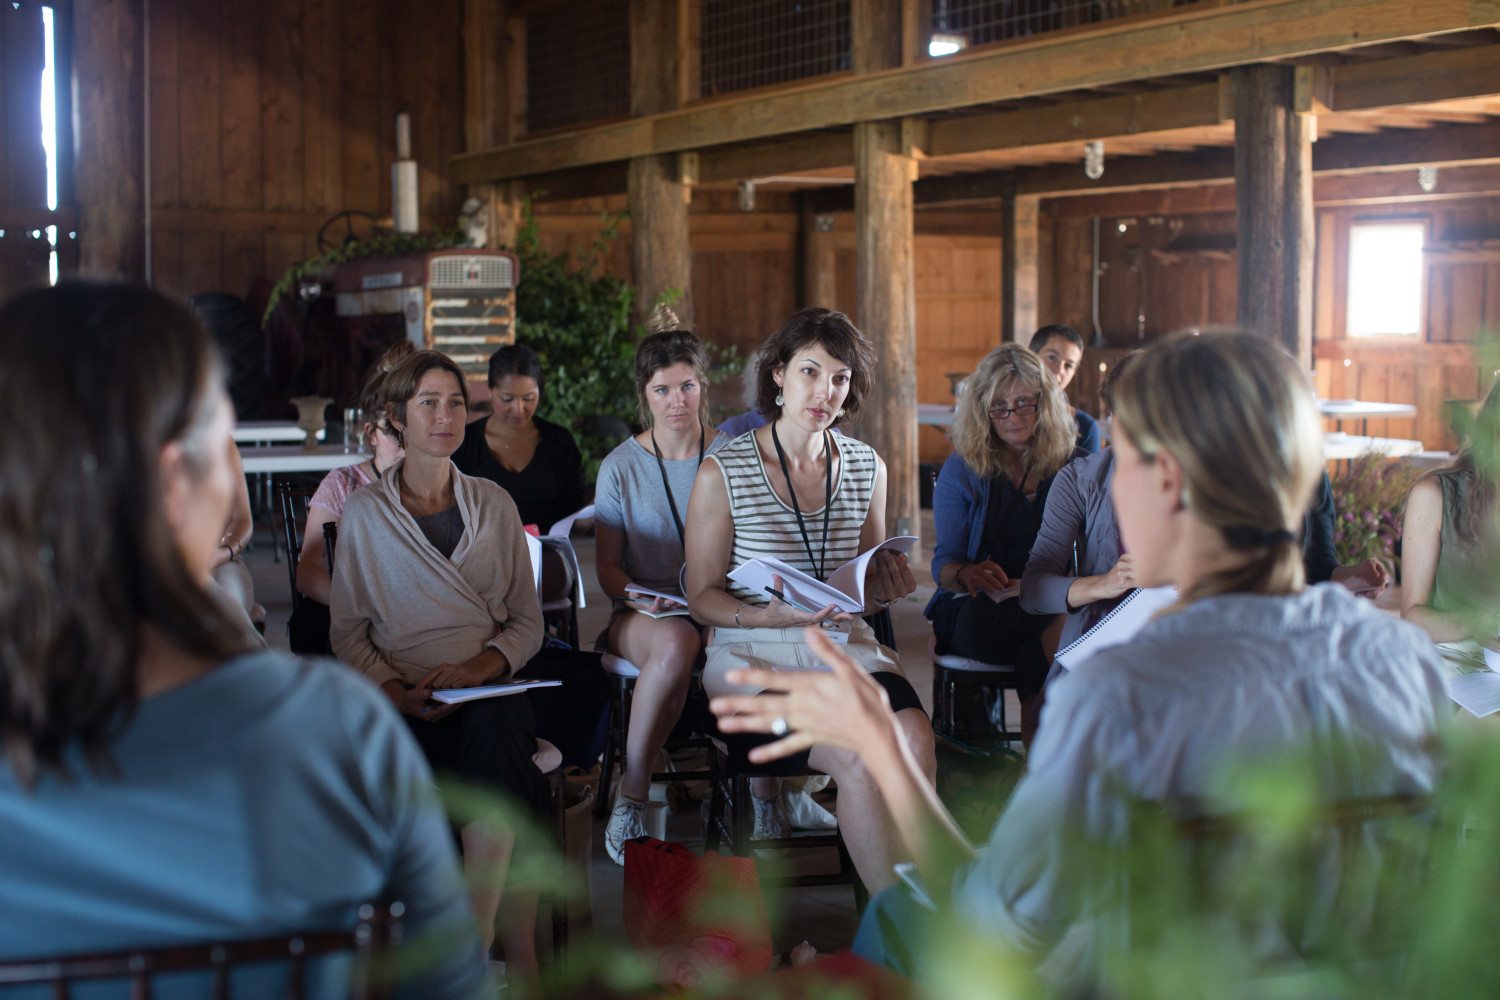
766, 526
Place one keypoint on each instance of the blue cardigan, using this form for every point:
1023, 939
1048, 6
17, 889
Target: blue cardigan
960, 504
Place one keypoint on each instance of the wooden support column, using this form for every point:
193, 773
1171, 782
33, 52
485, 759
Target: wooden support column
492, 42
109, 172
1019, 274
658, 195
883, 175
1273, 205
818, 281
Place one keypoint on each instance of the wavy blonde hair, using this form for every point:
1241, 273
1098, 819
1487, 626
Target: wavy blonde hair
1052, 442
1235, 412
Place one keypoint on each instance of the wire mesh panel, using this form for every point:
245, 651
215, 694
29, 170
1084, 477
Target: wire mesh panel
756, 43
981, 21
577, 63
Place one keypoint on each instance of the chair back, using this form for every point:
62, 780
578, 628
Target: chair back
291, 504
376, 933
330, 542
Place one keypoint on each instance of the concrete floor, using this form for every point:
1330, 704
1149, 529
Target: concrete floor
825, 916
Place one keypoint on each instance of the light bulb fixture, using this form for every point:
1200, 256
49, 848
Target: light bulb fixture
944, 44
1427, 179
747, 196
1093, 160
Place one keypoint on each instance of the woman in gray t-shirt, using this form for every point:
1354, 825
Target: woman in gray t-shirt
640, 503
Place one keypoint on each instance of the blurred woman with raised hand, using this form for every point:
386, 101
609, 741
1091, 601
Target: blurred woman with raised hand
1247, 666
244, 794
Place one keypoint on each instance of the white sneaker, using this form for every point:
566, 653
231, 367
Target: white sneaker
770, 819
803, 811
626, 822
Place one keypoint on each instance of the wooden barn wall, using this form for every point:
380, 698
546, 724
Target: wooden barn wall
266, 118
746, 280
1162, 274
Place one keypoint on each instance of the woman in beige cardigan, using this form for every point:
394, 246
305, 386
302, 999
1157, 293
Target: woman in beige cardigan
433, 589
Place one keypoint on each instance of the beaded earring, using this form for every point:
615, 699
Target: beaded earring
780, 399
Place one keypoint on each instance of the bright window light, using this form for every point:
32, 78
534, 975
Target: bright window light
945, 45
1385, 278
49, 131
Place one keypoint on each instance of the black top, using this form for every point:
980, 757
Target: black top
1011, 523
1318, 557
548, 489
443, 529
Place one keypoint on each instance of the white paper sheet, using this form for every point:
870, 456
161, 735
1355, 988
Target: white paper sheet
457, 696
1479, 693
1128, 618
845, 588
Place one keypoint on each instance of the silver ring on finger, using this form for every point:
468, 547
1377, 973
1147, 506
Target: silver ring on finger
779, 726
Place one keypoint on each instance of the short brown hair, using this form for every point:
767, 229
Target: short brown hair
401, 384
829, 330
663, 350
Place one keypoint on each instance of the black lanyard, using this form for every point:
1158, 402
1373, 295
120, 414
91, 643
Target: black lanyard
662, 468
820, 563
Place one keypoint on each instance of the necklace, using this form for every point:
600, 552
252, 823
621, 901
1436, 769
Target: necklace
819, 561
661, 467
420, 506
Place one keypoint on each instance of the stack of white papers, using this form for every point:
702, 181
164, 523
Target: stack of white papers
457, 696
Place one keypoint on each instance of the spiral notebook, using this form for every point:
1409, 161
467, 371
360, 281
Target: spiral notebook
1123, 621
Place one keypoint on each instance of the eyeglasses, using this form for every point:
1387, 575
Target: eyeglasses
1022, 410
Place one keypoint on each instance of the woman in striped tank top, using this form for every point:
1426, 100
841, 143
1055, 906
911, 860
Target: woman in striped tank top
814, 499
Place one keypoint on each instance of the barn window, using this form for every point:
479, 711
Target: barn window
1385, 278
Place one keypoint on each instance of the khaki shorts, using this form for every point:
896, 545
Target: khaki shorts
785, 649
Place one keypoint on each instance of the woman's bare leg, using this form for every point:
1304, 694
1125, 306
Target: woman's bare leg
868, 830
487, 854
665, 649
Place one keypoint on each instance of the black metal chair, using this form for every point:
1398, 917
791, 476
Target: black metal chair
731, 816
378, 931
689, 734
307, 626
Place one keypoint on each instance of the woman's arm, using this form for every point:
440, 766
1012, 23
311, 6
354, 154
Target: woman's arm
888, 577
313, 578
609, 560
1421, 544
710, 542
847, 708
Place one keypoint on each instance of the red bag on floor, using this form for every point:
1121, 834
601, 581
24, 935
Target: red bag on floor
696, 912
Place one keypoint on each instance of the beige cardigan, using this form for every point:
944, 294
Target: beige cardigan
399, 608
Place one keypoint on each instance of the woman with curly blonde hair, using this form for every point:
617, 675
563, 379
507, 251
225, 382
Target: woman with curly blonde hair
1011, 435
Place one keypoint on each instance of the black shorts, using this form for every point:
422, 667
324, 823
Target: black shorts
897, 688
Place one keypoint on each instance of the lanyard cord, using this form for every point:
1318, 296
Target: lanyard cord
662, 468
820, 563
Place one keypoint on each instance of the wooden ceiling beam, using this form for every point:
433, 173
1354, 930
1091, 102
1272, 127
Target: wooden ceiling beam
1079, 121
1419, 79
1192, 40
777, 157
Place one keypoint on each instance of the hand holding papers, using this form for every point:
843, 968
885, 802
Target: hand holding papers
655, 603
845, 588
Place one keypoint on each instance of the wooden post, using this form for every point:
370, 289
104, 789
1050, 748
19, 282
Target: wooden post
489, 122
658, 197
818, 280
883, 174
1019, 277
1273, 205
109, 173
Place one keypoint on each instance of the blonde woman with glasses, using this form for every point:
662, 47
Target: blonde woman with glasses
1012, 434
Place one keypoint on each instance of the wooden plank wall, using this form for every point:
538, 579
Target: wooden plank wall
1147, 290
745, 281
268, 116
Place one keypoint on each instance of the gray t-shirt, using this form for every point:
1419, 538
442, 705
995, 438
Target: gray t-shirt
629, 498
